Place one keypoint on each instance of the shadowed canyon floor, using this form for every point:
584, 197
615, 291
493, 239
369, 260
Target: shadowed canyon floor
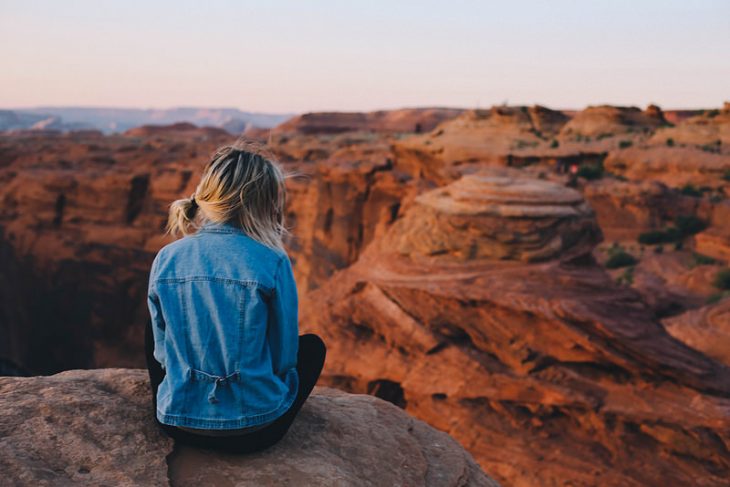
546, 287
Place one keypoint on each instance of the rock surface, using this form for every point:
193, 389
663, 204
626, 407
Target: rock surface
605, 120
484, 216
404, 120
95, 427
549, 373
706, 329
519, 356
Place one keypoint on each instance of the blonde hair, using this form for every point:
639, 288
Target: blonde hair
241, 185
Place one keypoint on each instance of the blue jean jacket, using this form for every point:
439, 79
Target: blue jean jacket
225, 323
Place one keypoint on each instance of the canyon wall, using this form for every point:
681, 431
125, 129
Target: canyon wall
467, 274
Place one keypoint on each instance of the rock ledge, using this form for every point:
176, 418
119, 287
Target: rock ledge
95, 427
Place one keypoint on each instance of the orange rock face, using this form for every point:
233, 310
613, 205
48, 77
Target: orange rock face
405, 120
453, 273
514, 358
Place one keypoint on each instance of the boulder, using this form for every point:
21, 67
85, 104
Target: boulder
96, 427
482, 216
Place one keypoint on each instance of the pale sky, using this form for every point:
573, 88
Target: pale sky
298, 55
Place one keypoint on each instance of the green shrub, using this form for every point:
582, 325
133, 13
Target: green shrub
684, 226
620, 259
627, 277
690, 190
717, 297
689, 225
624, 144
653, 237
554, 144
726, 175
591, 171
714, 148
670, 142
722, 280
701, 259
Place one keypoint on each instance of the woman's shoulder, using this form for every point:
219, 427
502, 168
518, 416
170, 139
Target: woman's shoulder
230, 256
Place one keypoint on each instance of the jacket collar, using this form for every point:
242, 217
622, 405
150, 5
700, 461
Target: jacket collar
214, 227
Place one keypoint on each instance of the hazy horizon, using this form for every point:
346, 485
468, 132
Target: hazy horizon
290, 57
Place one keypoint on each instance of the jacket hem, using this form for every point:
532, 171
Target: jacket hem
223, 424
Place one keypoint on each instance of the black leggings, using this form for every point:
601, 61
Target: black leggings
310, 360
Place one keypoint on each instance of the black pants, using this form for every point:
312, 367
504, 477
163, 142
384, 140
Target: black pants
310, 360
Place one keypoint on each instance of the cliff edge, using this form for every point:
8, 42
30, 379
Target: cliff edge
95, 427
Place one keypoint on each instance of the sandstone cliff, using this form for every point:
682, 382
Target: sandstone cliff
403, 120
529, 347
482, 312
95, 427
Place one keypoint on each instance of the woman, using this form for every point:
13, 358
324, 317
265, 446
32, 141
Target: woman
227, 366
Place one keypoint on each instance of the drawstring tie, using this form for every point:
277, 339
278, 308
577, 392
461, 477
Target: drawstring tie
217, 382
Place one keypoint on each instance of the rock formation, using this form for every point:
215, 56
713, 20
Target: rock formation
547, 372
404, 120
706, 329
478, 303
465, 221
96, 427
605, 120
673, 166
502, 135
710, 129
625, 209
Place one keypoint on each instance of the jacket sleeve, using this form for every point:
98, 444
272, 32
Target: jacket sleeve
283, 329
158, 323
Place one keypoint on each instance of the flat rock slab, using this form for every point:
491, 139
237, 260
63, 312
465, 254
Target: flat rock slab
95, 427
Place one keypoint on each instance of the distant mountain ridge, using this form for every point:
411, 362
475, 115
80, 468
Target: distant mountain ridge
110, 120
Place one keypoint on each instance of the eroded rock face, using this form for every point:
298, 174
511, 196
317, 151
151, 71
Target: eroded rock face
96, 427
495, 217
673, 166
710, 129
626, 209
504, 136
608, 120
706, 329
547, 372
83, 215
405, 120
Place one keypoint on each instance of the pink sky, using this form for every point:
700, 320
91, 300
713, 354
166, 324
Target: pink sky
287, 56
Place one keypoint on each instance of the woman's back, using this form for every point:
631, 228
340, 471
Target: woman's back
224, 312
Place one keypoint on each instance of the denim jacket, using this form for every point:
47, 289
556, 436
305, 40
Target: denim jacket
225, 325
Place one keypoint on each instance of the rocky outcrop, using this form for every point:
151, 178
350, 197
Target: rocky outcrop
404, 120
181, 129
710, 130
502, 135
482, 216
96, 427
673, 166
706, 329
606, 121
548, 372
625, 209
